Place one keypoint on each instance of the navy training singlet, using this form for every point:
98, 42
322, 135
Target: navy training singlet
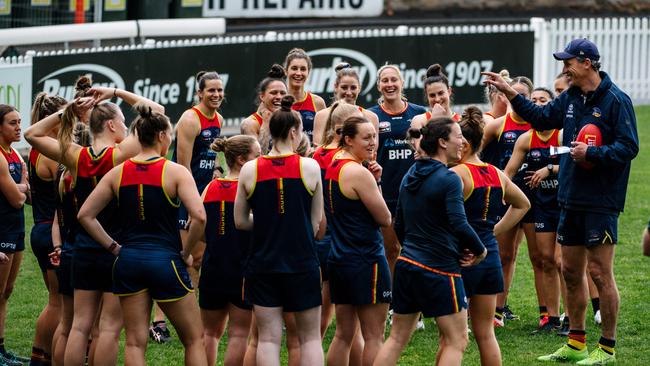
283, 236
13, 219
538, 157
202, 161
393, 152
356, 237
43, 192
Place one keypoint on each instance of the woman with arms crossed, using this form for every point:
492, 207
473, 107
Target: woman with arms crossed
151, 256
358, 270
14, 192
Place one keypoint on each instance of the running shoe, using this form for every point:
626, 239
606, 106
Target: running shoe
597, 319
7, 359
498, 323
420, 325
15, 358
390, 317
546, 328
564, 329
543, 321
565, 354
159, 334
598, 357
508, 314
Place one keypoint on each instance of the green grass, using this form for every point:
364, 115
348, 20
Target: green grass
517, 345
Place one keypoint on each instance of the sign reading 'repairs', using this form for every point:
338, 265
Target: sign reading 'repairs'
292, 8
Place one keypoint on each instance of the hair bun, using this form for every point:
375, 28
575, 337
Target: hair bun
287, 102
415, 133
83, 84
473, 116
219, 144
199, 75
342, 66
276, 72
434, 70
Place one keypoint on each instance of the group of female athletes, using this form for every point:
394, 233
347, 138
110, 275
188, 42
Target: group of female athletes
402, 205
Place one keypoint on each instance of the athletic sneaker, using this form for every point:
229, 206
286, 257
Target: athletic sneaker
15, 358
160, 334
498, 323
564, 329
508, 314
420, 325
565, 354
547, 328
598, 357
543, 321
10, 361
597, 318
390, 317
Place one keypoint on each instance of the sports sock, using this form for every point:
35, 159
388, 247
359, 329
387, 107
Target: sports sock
577, 339
595, 304
543, 311
160, 323
498, 313
37, 356
607, 345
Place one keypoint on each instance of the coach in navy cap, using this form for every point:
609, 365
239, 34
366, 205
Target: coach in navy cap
590, 199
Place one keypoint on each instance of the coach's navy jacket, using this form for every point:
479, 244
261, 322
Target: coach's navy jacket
601, 189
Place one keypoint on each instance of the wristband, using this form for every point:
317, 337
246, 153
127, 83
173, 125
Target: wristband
112, 247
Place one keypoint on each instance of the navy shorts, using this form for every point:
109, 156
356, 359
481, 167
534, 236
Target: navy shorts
64, 274
577, 228
546, 219
529, 217
12, 243
291, 291
417, 290
323, 249
482, 281
360, 283
41, 241
91, 269
217, 290
164, 277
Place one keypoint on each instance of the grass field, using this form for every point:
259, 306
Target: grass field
517, 345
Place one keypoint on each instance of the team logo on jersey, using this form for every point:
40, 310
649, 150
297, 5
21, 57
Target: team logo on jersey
510, 136
12, 168
535, 154
384, 126
277, 162
596, 113
225, 184
206, 134
569, 112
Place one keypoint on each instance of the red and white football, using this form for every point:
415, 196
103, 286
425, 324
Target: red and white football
590, 135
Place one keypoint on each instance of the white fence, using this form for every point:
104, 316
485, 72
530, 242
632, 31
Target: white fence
624, 45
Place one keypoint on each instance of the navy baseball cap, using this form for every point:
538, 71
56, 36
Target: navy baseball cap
581, 47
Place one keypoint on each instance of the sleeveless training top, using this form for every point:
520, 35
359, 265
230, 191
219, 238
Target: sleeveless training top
226, 247
91, 168
43, 192
538, 157
356, 237
148, 215
202, 161
307, 110
13, 219
324, 156
393, 152
483, 207
499, 151
256, 116
283, 236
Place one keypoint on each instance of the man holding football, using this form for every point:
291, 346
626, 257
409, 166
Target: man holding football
593, 180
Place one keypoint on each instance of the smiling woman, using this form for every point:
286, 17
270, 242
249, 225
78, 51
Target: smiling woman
195, 132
